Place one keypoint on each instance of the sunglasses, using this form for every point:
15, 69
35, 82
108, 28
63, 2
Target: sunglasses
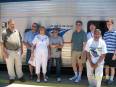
55, 32
34, 26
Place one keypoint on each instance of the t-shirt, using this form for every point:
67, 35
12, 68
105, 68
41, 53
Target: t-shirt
110, 39
11, 40
56, 52
96, 48
41, 42
77, 40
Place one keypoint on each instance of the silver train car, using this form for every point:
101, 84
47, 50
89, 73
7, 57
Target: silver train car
60, 13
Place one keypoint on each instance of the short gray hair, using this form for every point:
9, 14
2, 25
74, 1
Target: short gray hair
97, 30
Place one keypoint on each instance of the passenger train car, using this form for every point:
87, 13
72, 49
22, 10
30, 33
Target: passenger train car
57, 13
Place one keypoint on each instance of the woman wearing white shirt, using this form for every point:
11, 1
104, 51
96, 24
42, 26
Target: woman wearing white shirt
40, 53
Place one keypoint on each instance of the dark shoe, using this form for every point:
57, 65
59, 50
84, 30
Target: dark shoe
110, 82
22, 79
106, 81
31, 77
11, 81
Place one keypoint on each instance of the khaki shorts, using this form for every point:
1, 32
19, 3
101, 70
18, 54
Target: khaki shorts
77, 57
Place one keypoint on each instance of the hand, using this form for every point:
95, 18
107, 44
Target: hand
53, 46
94, 66
32, 56
4, 60
84, 54
114, 57
5, 55
21, 51
28, 46
49, 56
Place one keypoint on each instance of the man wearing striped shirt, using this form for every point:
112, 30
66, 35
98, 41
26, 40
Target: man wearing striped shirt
110, 60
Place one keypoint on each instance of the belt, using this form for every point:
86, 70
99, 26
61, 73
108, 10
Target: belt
13, 49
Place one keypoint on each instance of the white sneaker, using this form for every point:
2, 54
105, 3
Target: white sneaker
38, 80
73, 78
77, 79
59, 79
45, 80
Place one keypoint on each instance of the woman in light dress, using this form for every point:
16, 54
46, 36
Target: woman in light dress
39, 56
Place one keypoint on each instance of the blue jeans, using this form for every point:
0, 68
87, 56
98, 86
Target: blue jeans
58, 66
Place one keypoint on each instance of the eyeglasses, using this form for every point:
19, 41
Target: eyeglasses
78, 24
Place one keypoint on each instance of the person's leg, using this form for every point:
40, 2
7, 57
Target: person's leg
111, 79
58, 69
80, 65
112, 73
18, 65
107, 72
107, 61
28, 55
50, 61
44, 64
38, 77
10, 65
112, 67
99, 75
74, 65
37, 70
31, 71
90, 74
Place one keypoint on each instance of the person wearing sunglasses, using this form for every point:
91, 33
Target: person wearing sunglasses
28, 38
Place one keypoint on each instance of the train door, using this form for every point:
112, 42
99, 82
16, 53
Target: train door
99, 25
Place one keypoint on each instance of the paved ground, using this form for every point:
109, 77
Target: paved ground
51, 82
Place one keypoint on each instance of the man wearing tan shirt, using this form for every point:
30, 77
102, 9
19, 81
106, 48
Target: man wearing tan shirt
12, 50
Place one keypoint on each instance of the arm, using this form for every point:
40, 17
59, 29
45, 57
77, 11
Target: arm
102, 57
27, 44
4, 50
90, 61
25, 41
84, 40
104, 51
89, 57
49, 50
5, 53
21, 47
84, 44
60, 45
114, 56
32, 52
21, 43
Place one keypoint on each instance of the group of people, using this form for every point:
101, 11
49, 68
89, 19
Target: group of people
42, 51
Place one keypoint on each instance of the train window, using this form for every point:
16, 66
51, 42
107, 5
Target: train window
99, 25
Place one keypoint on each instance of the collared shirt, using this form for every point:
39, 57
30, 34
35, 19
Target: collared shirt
29, 36
41, 42
89, 35
11, 39
77, 40
110, 39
